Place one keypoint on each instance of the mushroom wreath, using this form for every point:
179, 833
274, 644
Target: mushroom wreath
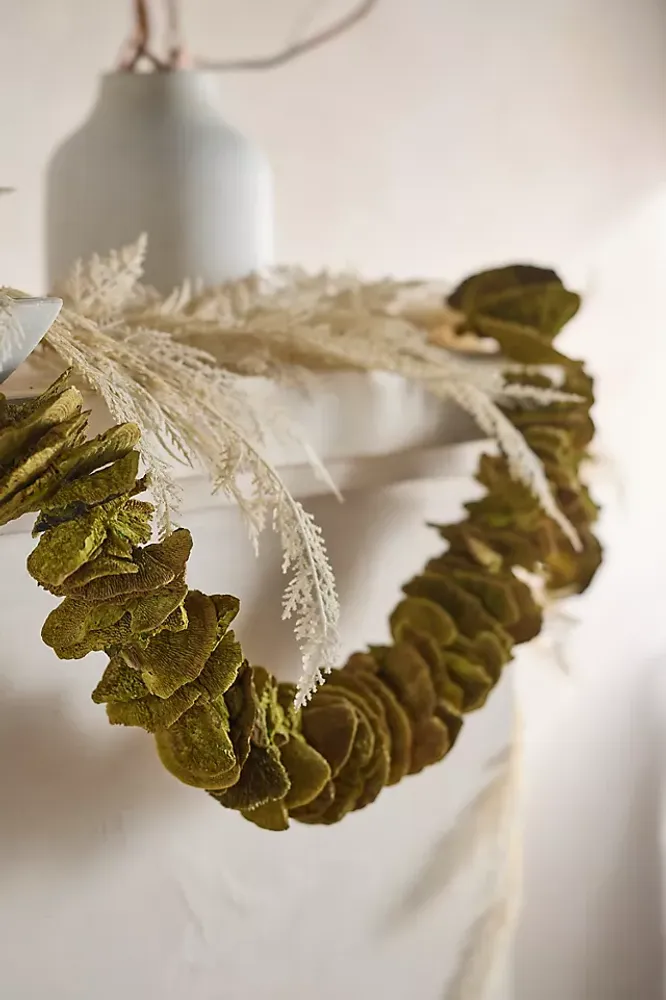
175, 668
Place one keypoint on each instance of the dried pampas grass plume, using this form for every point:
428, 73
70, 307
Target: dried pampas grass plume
488, 939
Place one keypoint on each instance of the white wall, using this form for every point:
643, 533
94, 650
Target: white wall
437, 138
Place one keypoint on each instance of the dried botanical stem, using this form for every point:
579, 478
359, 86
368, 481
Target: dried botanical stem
142, 22
175, 46
138, 46
297, 49
489, 937
140, 36
186, 403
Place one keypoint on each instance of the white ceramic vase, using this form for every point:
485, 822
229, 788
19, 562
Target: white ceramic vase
156, 157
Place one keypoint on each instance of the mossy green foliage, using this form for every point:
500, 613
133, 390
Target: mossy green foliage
175, 668
523, 308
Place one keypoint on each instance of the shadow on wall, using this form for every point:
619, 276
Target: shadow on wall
347, 526
63, 795
591, 928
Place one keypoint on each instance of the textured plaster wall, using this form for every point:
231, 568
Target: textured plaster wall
438, 138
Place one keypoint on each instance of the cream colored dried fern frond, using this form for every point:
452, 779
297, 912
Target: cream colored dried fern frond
273, 323
103, 288
523, 464
288, 320
101, 362
391, 345
171, 364
191, 409
188, 408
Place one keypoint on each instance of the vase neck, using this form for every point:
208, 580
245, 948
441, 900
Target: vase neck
158, 93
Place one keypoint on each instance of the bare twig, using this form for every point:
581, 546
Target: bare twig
142, 23
137, 47
141, 33
290, 52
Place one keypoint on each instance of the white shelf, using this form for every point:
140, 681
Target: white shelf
370, 430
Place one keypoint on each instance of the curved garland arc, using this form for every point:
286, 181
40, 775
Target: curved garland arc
175, 668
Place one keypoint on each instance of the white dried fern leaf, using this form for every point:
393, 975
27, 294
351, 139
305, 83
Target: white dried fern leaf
103, 287
190, 409
310, 596
98, 361
344, 322
523, 464
471, 385
529, 395
276, 324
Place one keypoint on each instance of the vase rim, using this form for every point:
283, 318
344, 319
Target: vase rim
155, 88
166, 77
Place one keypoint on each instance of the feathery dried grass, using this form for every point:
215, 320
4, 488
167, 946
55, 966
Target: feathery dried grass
175, 366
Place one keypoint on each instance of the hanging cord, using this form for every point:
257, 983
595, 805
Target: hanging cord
303, 22
138, 48
297, 48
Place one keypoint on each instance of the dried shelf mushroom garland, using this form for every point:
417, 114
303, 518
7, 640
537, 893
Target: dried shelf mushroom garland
175, 668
